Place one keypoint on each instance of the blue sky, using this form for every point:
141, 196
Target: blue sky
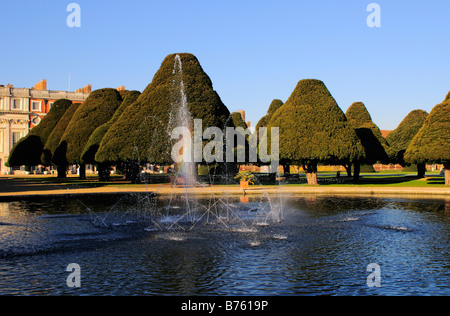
254, 51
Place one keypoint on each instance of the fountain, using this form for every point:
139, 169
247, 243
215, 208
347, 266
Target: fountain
182, 119
184, 212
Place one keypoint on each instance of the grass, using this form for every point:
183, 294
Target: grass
384, 179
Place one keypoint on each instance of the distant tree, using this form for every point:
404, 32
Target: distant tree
376, 148
91, 148
98, 109
401, 137
238, 120
143, 133
243, 132
432, 143
313, 129
54, 139
29, 149
264, 121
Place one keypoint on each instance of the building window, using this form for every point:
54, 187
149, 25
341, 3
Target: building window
1, 103
36, 106
15, 138
16, 104
50, 104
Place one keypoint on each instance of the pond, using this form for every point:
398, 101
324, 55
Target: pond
144, 245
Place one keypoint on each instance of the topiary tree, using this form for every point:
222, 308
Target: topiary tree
376, 148
29, 149
432, 143
313, 129
401, 137
264, 121
143, 133
98, 109
447, 98
91, 148
54, 139
238, 122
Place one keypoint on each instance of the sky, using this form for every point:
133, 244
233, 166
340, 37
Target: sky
253, 51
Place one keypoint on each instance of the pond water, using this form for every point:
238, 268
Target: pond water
315, 246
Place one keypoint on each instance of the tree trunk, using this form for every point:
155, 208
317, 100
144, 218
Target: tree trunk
287, 170
83, 171
61, 170
447, 173
311, 174
103, 172
421, 169
356, 171
348, 168
133, 172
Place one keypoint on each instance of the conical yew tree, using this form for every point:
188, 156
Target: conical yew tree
264, 121
98, 109
29, 149
54, 139
376, 148
313, 129
91, 148
142, 134
432, 143
400, 138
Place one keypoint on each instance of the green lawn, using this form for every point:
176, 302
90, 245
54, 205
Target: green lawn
385, 179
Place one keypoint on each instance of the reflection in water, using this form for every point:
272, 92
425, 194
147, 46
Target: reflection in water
323, 246
4, 209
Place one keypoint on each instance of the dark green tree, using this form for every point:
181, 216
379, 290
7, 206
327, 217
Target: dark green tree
447, 98
242, 132
91, 148
143, 133
98, 109
54, 139
313, 129
376, 148
29, 149
432, 143
264, 121
400, 138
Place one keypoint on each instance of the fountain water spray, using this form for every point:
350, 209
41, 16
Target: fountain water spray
183, 212
182, 120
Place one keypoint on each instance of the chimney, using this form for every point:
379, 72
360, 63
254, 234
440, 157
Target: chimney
121, 88
86, 89
41, 85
